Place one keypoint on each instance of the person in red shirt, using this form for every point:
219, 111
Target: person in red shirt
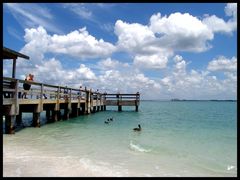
26, 85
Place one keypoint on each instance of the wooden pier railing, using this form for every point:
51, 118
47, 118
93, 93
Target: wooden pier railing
122, 100
53, 99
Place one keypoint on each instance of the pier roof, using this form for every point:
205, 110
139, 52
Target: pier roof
11, 54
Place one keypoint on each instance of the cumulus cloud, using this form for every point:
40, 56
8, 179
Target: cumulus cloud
155, 61
231, 10
176, 32
223, 64
194, 84
52, 72
127, 82
140, 41
85, 72
78, 43
132, 37
111, 64
181, 32
217, 24
152, 45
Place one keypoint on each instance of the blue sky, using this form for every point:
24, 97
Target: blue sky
162, 50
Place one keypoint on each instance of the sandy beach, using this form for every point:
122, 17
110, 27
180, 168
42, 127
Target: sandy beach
25, 164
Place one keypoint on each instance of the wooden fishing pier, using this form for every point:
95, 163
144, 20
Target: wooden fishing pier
52, 99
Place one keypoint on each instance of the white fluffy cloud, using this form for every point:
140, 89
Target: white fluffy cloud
223, 64
176, 32
155, 61
127, 82
111, 64
217, 24
52, 72
133, 37
140, 41
78, 43
194, 84
181, 32
231, 10
152, 45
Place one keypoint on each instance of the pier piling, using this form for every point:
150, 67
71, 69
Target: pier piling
19, 118
36, 119
10, 124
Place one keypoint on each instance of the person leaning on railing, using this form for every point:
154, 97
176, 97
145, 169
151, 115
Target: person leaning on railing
26, 85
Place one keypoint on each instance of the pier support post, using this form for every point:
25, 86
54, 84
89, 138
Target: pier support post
55, 116
19, 118
36, 119
104, 107
56, 113
119, 108
94, 109
10, 124
59, 115
66, 114
82, 110
48, 115
136, 109
78, 111
74, 112
88, 102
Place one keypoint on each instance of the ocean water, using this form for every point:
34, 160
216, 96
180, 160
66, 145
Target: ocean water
178, 138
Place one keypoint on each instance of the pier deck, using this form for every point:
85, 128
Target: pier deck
53, 99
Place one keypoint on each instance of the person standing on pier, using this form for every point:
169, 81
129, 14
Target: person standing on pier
27, 86
80, 92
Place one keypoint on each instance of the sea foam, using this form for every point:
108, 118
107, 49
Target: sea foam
230, 167
138, 148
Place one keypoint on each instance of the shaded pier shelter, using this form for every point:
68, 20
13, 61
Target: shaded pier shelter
11, 54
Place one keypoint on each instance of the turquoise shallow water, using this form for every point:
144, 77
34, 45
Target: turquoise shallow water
182, 138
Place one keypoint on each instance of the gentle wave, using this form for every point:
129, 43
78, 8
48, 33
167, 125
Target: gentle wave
138, 148
230, 167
